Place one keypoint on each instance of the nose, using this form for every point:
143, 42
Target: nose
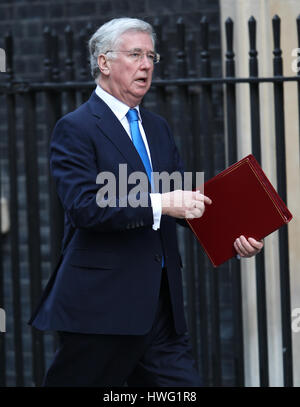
145, 62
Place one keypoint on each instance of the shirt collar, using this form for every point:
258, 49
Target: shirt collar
119, 108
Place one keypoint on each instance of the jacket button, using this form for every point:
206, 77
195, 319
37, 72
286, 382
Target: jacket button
158, 258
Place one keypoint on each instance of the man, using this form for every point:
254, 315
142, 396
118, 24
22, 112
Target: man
116, 298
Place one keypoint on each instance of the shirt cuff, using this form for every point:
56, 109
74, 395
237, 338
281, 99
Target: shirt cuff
156, 207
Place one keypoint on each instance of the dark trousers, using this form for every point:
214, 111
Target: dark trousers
159, 358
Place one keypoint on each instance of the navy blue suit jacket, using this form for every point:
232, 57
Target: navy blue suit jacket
109, 275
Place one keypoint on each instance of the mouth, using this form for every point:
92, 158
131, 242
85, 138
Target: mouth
142, 81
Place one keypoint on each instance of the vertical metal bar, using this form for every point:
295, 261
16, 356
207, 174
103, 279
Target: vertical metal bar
197, 166
55, 58
254, 91
181, 54
231, 141
259, 259
2, 334
69, 68
158, 47
2, 305
206, 104
202, 309
207, 133
69, 65
48, 56
161, 91
231, 157
192, 54
53, 108
33, 222
14, 226
204, 151
281, 188
14, 238
56, 210
183, 124
8, 45
52, 105
84, 59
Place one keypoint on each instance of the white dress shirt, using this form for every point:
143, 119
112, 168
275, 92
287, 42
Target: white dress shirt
120, 110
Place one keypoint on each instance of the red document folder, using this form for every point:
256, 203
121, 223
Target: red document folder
243, 203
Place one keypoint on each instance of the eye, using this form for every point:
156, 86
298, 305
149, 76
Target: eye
151, 57
135, 54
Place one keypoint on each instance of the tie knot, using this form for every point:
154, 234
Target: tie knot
132, 115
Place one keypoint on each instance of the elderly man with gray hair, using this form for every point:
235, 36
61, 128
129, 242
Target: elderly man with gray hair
116, 297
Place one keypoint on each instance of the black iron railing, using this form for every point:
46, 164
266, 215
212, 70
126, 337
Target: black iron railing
192, 101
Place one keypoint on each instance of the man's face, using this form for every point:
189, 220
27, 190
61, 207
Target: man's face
129, 79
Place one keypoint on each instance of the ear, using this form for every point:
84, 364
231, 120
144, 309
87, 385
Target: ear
103, 65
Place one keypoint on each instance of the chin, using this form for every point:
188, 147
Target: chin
143, 92
139, 96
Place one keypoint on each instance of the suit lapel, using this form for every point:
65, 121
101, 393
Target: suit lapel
113, 129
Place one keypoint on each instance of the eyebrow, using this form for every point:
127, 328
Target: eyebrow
140, 50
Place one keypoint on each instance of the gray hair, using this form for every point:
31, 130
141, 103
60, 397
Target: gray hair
108, 36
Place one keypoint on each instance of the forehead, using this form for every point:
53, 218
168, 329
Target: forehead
136, 39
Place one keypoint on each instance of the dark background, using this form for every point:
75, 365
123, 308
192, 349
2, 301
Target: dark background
26, 19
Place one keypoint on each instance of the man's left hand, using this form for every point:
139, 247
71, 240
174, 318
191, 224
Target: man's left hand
247, 247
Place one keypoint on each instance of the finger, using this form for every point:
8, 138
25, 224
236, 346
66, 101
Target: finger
239, 247
197, 194
255, 243
199, 205
201, 197
194, 213
246, 245
235, 245
207, 200
190, 215
198, 212
251, 250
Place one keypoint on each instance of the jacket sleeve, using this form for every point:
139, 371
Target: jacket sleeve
73, 167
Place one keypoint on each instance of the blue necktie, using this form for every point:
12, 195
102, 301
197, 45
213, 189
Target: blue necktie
133, 119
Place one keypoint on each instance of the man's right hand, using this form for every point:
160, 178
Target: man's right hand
184, 204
